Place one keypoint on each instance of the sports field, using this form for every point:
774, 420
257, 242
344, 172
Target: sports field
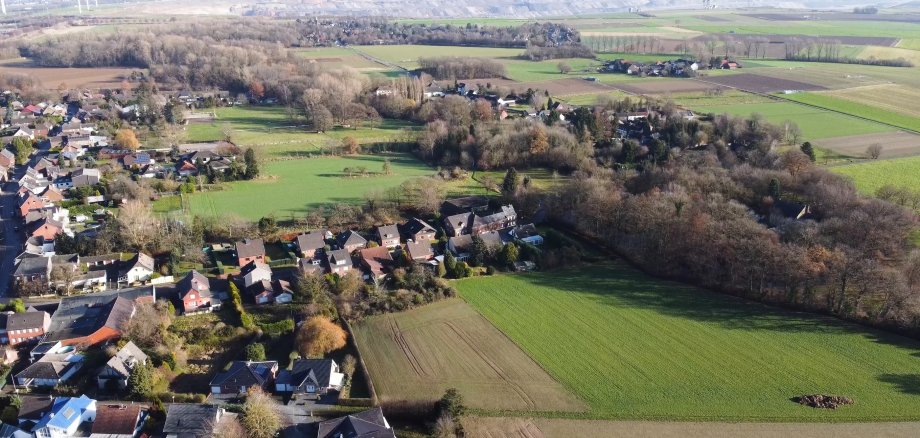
635, 347
418, 354
869, 176
290, 188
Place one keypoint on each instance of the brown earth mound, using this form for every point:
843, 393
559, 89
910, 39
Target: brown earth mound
823, 401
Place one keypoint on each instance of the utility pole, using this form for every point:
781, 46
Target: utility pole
3, 6
80, 6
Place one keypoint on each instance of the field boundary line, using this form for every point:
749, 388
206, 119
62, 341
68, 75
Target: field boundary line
809, 105
366, 372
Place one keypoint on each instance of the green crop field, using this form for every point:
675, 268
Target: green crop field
857, 109
269, 131
814, 123
418, 354
634, 347
290, 188
871, 175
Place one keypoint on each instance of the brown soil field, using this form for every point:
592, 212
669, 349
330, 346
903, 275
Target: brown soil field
665, 86
563, 428
894, 144
903, 18
711, 18
760, 84
52, 77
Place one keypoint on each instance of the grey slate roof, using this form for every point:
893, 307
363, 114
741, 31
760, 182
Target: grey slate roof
21, 321
365, 424
312, 240
349, 238
245, 373
318, 370
194, 280
190, 420
82, 315
250, 248
125, 359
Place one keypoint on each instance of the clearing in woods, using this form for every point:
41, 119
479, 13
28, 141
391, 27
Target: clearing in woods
418, 354
636, 347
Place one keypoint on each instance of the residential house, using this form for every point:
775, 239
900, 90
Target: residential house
367, 424
192, 420
195, 292
65, 417
33, 269
21, 328
504, 218
461, 246
8, 356
186, 168
244, 375
84, 177
310, 266
50, 370
10, 431
377, 261
7, 158
526, 234
467, 204
117, 370
310, 243
254, 272
31, 202
39, 246
418, 230
350, 241
420, 251
24, 131
136, 270
48, 229
250, 250
458, 224
388, 236
118, 421
311, 377
33, 408
267, 292
339, 261
96, 318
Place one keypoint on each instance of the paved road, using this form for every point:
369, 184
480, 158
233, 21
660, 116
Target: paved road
12, 240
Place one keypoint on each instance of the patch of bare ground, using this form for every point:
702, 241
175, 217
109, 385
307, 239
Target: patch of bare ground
761, 84
665, 86
894, 144
564, 428
53, 77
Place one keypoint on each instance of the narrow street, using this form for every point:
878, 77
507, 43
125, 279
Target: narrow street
12, 240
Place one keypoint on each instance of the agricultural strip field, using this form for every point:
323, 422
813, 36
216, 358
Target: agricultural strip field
857, 109
758, 83
273, 136
495, 427
897, 98
894, 144
815, 123
418, 354
290, 188
51, 78
872, 175
635, 347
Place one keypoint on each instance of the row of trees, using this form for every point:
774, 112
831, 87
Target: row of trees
461, 67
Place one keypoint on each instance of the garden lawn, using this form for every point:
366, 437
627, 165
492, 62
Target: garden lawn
290, 188
635, 347
871, 175
859, 109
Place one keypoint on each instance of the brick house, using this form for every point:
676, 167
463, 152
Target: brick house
195, 293
21, 328
250, 250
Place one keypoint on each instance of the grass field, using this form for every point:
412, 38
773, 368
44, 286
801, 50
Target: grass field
269, 131
418, 354
872, 175
897, 98
859, 109
635, 347
814, 123
293, 187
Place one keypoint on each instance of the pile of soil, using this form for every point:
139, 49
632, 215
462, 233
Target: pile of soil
823, 401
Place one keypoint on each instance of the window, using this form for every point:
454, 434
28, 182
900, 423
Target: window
311, 388
192, 296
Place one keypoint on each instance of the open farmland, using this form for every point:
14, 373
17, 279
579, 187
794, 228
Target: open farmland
758, 83
872, 175
897, 98
894, 144
51, 78
857, 109
495, 427
635, 347
290, 188
418, 354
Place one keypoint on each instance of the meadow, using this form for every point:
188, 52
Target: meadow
270, 132
635, 347
291, 188
871, 175
418, 354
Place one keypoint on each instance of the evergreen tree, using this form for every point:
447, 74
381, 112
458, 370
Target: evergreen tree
450, 264
510, 184
809, 150
140, 381
774, 189
252, 167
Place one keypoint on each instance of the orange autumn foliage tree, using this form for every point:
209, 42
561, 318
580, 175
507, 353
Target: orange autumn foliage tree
126, 139
318, 336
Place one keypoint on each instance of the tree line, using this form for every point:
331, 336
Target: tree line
453, 67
